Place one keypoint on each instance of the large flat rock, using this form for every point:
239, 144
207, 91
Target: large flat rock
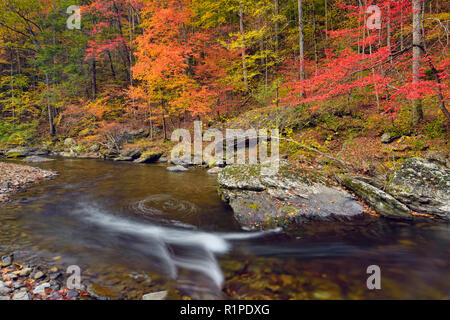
423, 186
292, 195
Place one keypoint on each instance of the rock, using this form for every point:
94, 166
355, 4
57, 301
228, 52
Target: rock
133, 154
70, 154
89, 155
7, 260
149, 157
215, 170
94, 148
123, 159
438, 158
36, 159
69, 142
20, 152
423, 186
40, 152
38, 275
12, 276
390, 137
177, 169
4, 298
72, 294
163, 160
55, 276
21, 295
4, 291
25, 272
161, 295
383, 203
41, 288
91, 290
262, 199
18, 285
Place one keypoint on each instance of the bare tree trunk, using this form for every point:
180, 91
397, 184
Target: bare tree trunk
241, 28
277, 26
417, 111
49, 107
300, 40
94, 78
326, 19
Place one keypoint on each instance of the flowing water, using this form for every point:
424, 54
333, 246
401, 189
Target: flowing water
135, 229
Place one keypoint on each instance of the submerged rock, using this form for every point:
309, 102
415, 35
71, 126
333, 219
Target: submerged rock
423, 186
262, 199
7, 260
215, 170
382, 202
177, 169
155, 296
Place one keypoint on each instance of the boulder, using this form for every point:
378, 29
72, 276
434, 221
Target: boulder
177, 169
149, 157
439, 158
20, 152
69, 142
69, 154
133, 154
94, 148
36, 159
215, 170
262, 199
383, 203
423, 186
390, 137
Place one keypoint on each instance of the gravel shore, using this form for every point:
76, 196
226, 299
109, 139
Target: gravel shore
15, 177
18, 282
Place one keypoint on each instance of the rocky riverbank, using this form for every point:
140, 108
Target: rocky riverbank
15, 177
18, 282
292, 195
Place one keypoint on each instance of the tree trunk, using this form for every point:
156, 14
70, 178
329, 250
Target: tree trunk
277, 26
300, 40
241, 27
49, 108
94, 78
417, 111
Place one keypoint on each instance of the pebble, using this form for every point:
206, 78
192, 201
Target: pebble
55, 276
25, 272
161, 295
38, 275
18, 285
4, 291
72, 294
41, 288
12, 276
7, 260
21, 295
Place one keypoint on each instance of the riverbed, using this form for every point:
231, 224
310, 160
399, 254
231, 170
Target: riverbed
135, 229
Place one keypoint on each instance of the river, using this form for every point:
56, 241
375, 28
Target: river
135, 229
